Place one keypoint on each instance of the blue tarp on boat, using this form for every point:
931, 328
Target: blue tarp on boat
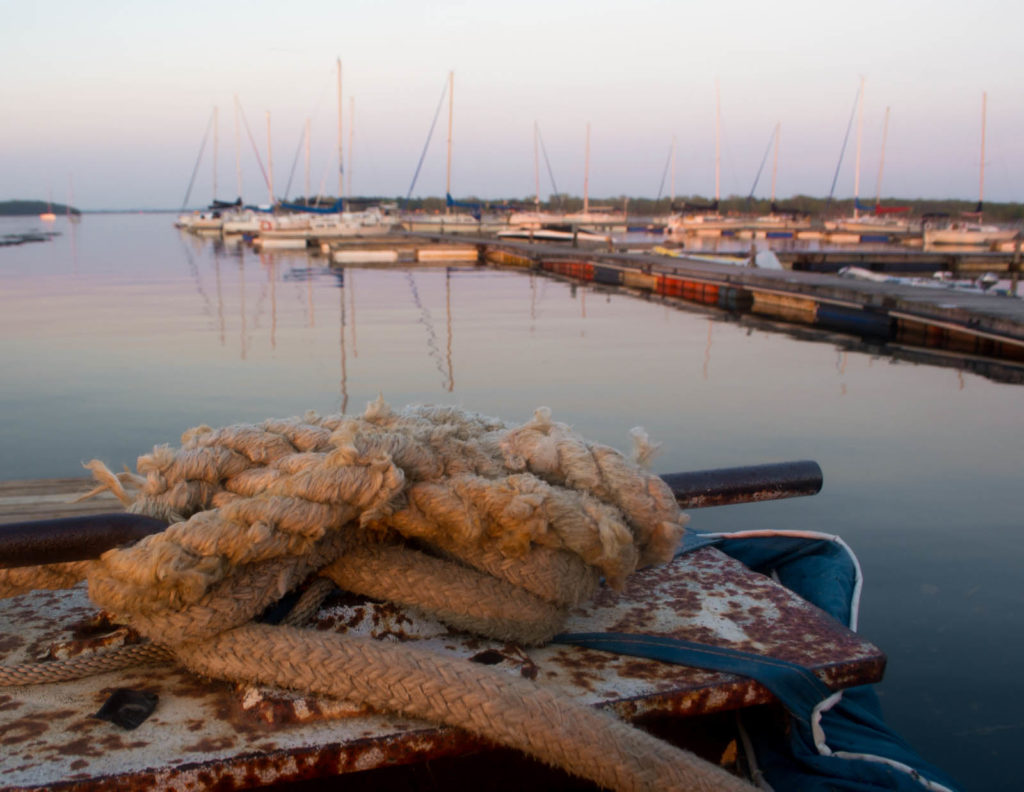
828, 741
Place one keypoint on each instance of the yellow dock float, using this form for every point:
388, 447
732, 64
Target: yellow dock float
784, 306
364, 256
448, 253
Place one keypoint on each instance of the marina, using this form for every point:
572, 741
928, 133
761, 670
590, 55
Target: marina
577, 397
331, 336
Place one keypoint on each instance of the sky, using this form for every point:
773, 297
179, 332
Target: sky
107, 104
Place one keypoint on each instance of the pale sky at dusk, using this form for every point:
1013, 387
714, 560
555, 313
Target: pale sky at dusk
114, 97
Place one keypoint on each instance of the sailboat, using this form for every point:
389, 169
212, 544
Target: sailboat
779, 223
882, 221
449, 222
702, 220
971, 231
561, 226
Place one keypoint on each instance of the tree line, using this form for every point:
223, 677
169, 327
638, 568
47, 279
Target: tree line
24, 207
823, 208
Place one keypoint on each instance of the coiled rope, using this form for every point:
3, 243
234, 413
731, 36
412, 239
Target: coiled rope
489, 527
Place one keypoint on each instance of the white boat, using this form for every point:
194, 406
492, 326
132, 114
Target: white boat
441, 223
872, 224
706, 224
971, 232
555, 232
207, 221
705, 221
284, 231
449, 222
967, 233
367, 222
245, 221
593, 220
882, 221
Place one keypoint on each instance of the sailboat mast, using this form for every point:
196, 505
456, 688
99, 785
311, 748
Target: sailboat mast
672, 197
881, 161
860, 134
775, 163
448, 172
270, 163
718, 142
307, 160
536, 170
215, 146
238, 150
351, 133
586, 174
981, 179
341, 157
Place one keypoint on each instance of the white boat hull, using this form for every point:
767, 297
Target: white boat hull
967, 236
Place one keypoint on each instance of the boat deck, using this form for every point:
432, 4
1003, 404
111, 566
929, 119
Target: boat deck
206, 734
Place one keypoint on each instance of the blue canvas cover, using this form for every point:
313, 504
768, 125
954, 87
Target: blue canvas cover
826, 741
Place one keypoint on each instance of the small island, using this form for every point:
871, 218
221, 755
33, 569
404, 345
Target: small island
22, 208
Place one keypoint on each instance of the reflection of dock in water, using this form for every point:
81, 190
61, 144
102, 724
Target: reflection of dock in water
984, 332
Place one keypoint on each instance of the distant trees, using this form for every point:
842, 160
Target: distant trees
23, 207
734, 204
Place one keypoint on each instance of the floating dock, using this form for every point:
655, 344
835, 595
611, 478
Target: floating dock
964, 322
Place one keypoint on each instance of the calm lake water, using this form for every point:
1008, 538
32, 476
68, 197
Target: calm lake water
121, 332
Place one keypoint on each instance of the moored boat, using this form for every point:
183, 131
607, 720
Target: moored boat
554, 232
968, 233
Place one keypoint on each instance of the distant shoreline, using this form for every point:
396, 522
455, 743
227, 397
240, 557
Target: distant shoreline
997, 212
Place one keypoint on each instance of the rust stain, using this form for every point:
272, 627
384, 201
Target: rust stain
208, 745
22, 731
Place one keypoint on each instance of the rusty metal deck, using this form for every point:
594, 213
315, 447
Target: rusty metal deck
207, 734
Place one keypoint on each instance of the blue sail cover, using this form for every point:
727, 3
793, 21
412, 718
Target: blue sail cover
826, 742
337, 206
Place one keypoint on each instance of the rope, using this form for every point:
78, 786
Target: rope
489, 527
502, 708
84, 665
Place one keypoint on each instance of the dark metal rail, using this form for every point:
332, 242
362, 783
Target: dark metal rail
86, 537
726, 486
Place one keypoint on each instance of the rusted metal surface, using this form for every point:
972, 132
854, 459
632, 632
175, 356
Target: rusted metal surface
205, 734
78, 538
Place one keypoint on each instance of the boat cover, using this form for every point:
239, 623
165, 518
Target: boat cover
831, 741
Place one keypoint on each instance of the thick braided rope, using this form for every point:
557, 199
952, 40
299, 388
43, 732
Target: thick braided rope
139, 654
532, 515
502, 708
21, 580
459, 596
84, 665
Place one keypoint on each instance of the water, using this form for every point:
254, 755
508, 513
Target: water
121, 333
